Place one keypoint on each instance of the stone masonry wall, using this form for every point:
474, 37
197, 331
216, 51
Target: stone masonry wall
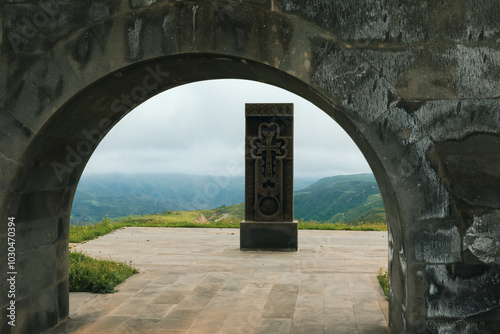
414, 83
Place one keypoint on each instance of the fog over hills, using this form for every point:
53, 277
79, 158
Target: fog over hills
333, 199
119, 195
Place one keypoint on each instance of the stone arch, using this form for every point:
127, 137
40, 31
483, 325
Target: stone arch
65, 89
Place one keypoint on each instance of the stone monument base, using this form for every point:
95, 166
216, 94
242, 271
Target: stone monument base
276, 236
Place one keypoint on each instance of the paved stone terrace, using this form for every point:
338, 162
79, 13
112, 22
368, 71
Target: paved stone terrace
198, 281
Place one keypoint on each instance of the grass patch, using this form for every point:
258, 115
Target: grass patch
78, 234
361, 226
223, 217
383, 279
87, 274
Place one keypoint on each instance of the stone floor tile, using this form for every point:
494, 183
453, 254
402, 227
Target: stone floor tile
166, 331
307, 316
105, 325
373, 329
209, 321
311, 284
339, 315
308, 329
155, 311
241, 323
274, 326
310, 300
179, 319
281, 301
369, 316
171, 297
341, 329
197, 280
136, 326
130, 307
70, 327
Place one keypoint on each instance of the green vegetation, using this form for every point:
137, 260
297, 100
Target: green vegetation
360, 226
383, 279
87, 274
349, 199
118, 195
338, 199
91, 275
223, 217
88, 232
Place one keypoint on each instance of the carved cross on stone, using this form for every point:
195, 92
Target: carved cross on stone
269, 141
269, 178
268, 149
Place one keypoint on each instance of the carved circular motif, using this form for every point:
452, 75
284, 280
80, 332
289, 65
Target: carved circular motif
269, 206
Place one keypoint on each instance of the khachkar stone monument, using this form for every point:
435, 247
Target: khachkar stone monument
268, 223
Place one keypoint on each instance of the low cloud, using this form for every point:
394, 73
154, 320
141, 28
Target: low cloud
199, 129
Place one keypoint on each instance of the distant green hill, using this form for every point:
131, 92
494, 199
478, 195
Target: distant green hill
118, 195
346, 198
343, 198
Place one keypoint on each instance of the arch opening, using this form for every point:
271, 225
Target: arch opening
308, 263
54, 162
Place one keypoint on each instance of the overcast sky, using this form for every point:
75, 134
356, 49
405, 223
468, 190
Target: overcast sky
199, 129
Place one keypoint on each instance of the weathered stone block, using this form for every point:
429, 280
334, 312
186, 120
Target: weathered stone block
29, 104
63, 228
472, 171
63, 299
432, 76
436, 244
44, 305
397, 276
14, 136
277, 236
36, 233
57, 165
352, 21
482, 20
415, 302
336, 69
397, 322
447, 120
391, 63
36, 270
62, 261
371, 97
482, 238
459, 291
41, 204
34, 28
478, 72
7, 171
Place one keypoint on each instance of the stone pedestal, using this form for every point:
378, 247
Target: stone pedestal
276, 236
269, 223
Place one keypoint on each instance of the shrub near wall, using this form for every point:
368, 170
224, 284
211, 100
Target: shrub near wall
87, 274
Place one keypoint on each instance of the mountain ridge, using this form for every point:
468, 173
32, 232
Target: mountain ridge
341, 198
